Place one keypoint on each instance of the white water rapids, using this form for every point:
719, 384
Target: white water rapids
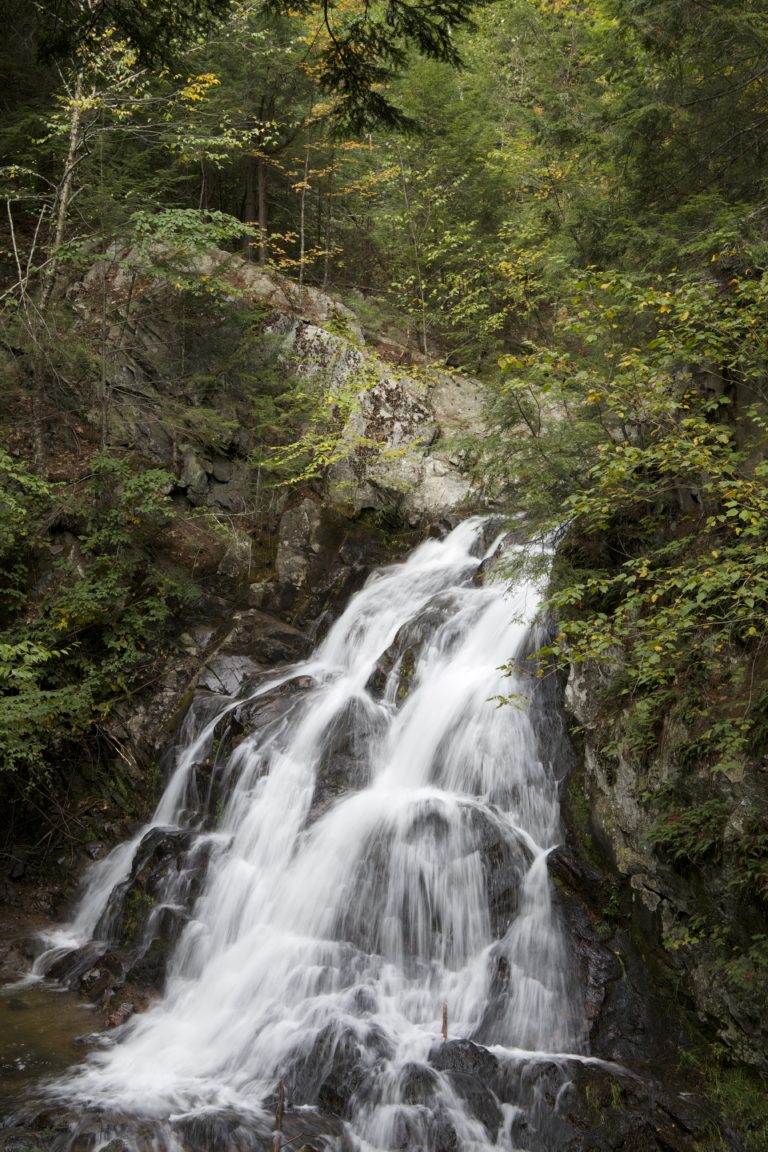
330, 935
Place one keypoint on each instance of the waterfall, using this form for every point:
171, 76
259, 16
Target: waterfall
377, 859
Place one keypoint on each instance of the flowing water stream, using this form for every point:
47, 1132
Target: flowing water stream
375, 851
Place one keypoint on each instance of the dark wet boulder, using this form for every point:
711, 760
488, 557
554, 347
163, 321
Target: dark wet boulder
598, 967
257, 641
150, 968
622, 1113
472, 1073
107, 975
25, 1140
574, 1106
542, 1091
225, 672
418, 1084
479, 1100
402, 654
71, 965
313, 1132
271, 706
266, 639
42, 1129
38, 1127
492, 1022
310, 1071
222, 1131
159, 903
480, 836
345, 763
159, 854
342, 1084
422, 1128
627, 1020
19, 1140
337, 776
143, 920
338, 1072
465, 1057
506, 860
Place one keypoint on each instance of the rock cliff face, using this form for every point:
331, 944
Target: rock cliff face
690, 913
190, 376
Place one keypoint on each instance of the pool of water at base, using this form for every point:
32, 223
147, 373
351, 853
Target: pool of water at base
43, 1031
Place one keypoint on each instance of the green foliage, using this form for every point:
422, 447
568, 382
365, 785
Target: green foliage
693, 834
368, 44
23, 496
631, 411
751, 881
738, 1092
749, 968
173, 242
86, 636
320, 407
364, 49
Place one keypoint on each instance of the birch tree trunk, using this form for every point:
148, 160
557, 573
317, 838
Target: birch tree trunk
61, 212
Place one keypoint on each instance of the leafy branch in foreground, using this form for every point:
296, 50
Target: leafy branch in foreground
365, 45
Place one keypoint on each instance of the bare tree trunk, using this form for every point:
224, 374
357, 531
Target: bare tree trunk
61, 211
416, 259
64, 194
266, 113
203, 201
263, 216
104, 382
328, 227
250, 202
31, 322
303, 218
104, 386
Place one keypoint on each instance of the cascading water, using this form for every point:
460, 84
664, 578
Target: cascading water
338, 923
